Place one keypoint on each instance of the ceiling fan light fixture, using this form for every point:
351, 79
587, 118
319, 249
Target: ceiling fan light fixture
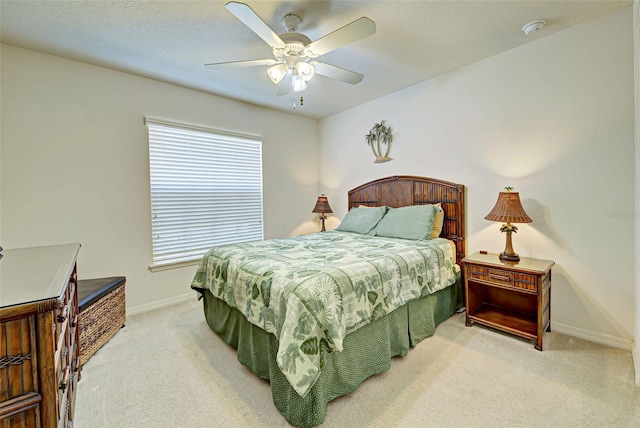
297, 82
305, 70
277, 73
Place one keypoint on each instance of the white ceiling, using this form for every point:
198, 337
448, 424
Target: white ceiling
172, 40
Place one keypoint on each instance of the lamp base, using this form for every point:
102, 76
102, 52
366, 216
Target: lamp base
509, 257
508, 254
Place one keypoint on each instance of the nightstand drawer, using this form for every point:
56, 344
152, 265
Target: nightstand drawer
526, 282
504, 278
478, 272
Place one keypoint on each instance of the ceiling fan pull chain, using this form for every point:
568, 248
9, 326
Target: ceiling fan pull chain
301, 102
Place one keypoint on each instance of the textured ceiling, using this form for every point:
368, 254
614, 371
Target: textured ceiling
172, 40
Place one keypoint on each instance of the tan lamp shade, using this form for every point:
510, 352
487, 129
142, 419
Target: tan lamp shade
508, 209
322, 207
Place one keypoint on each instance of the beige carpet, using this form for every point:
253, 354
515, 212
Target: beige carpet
166, 368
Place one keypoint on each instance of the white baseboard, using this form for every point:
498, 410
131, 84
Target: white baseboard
592, 336
161, 304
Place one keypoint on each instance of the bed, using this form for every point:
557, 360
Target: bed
306, 312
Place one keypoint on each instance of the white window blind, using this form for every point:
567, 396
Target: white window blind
206, 190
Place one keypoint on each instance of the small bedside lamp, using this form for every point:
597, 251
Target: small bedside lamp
322, 207
508, 209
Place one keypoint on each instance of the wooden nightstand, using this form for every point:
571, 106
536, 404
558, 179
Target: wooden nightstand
510, 296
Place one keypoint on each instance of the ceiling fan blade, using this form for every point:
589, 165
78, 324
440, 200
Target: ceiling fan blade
358, 29
245, 14
338, 73
250, 63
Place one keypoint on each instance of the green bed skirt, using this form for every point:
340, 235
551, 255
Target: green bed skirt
367, 351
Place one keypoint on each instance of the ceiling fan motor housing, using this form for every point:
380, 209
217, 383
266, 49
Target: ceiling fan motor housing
294, 45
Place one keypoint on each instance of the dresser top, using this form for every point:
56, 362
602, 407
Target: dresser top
33, 274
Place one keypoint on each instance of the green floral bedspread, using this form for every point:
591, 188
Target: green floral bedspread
320, 287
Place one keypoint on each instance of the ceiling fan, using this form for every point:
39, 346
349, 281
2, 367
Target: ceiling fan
294, 62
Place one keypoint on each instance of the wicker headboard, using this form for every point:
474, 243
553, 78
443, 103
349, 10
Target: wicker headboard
402, 190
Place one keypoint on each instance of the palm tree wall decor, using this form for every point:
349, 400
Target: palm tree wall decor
380, 135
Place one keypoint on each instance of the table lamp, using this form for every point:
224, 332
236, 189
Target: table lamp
322, 207
508, 209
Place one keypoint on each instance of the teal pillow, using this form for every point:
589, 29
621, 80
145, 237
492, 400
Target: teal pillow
362, 220
412, 222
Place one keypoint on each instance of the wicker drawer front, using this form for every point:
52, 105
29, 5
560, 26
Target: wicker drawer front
101, 321
493, 276
525, 281
520, 281
500, 277
477, 272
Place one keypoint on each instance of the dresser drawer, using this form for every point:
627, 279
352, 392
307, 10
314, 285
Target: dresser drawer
18, 374
516, 280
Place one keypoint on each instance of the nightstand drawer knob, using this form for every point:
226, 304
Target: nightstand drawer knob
499, 277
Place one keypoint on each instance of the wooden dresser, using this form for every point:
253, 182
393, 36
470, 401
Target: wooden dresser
39, 353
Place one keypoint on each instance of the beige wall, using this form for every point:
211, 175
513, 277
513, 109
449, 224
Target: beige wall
74, 165
1, 241
636, 49
554, 119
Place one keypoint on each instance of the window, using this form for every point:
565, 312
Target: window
206, 190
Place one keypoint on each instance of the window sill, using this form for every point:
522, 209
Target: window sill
173, 265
